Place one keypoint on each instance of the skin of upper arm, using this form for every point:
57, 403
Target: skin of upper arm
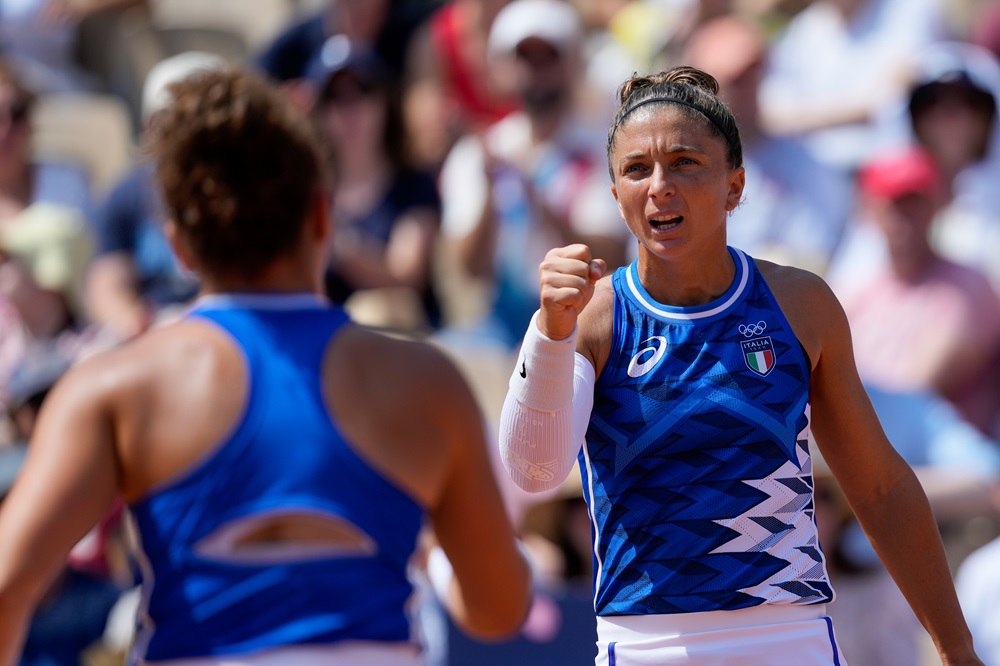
469, 518
468, 513
596, 325
408, 412
68, 482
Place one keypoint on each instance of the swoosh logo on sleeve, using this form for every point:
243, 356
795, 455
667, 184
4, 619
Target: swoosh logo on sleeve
524, 371
637, 368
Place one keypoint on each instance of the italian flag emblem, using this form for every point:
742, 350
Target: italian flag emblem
759, 355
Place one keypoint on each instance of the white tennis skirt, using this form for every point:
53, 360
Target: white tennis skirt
761, 636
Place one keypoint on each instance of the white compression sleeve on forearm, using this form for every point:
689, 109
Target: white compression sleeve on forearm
546, 412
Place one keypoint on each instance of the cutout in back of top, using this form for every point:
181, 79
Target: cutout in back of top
286, 535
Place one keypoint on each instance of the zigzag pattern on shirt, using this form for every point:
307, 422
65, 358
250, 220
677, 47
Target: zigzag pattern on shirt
699, 468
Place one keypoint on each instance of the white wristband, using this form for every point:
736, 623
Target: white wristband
543, 378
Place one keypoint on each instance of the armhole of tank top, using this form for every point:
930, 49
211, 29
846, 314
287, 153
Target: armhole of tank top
759, 277
805, 355
359, 456
336, 329
617, 304
240, 424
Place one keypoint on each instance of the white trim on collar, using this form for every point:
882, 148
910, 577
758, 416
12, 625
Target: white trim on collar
640, 294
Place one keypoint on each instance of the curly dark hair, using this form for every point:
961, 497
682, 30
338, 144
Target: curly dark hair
238, 165
684, 86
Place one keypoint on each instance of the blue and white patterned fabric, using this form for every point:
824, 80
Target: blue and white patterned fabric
696, 464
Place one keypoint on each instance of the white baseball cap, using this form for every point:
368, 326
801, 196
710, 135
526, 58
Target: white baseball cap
155, 96
553, 21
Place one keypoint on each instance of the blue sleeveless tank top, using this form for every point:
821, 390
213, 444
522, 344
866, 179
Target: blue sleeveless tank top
696, 463
285, 454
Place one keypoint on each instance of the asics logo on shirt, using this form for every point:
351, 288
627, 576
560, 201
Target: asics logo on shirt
636, 367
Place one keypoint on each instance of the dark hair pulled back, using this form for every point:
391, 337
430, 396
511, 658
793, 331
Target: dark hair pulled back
684, 86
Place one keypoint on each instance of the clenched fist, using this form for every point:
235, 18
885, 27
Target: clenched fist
567, 278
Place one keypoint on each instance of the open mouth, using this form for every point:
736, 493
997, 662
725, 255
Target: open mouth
667, 222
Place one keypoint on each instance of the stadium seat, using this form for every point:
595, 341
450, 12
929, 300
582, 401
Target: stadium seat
255, 27
91, 130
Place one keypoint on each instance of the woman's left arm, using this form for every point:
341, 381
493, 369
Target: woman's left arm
882, 489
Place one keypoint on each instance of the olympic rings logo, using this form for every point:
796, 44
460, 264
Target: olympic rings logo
753, 329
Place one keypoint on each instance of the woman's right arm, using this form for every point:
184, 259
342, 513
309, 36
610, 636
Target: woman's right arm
551, 393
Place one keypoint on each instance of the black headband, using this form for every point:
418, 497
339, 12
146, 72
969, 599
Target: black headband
674, 100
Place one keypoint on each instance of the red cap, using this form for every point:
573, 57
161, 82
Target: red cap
895, 175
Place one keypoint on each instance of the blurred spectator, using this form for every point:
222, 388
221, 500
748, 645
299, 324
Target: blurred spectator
628, 36
40, 38
449, 88
922, 321
985, 29
30, 382
386, 214
959, 469
25, 180
977, 582
958, 466
794, 207
838, 64
382, 25
875, 626
44, 239
693, 14
952, 112
135, 275
536, 179
774, 13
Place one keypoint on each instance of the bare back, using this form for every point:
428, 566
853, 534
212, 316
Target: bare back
176, 393
134, 420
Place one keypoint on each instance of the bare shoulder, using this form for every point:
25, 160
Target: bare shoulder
596, 324
403, 406
793, 284
129, 367
159, 395
371, 358
808, 303
165, 356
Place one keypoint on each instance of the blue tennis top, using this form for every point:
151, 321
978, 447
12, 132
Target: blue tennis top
203, 594
696, 463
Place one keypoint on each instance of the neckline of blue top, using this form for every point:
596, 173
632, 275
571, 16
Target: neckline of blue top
716, 307
261, 301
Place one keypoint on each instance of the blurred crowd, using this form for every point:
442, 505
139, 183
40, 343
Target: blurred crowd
467, 137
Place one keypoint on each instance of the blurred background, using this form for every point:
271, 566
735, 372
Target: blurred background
468, 138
